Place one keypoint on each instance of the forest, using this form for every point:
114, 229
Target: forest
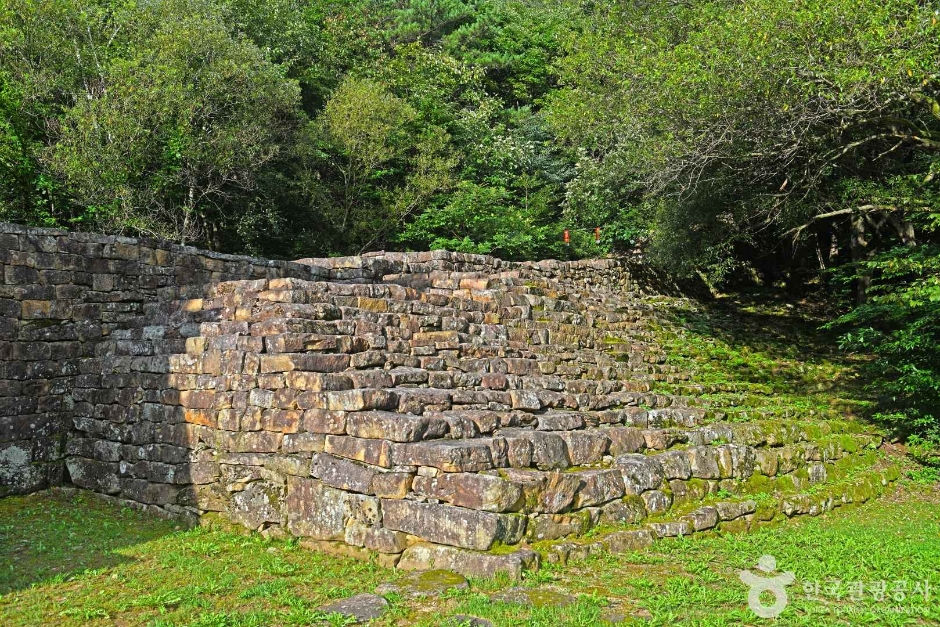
790, 143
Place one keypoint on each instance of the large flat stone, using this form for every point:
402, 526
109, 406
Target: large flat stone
598, 487
357, 400
348, 475
545, 492
585, 447
384, 425
424, 556
373, 452
631, 509
703, 462
361, 608
628, 541
675, 464
559, 421
317, 511
472, 490
453, 526
549, 450
625, 440
454, 455
702, 518
729, 510
640, 473
544, 527
427, 583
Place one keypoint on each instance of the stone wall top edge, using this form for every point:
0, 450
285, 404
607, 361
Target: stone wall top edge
369, 258
8, 228
323, 266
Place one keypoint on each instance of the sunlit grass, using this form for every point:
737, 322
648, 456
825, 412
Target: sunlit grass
143, 571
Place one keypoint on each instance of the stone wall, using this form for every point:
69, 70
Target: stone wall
215, 404
422, 407
62, 294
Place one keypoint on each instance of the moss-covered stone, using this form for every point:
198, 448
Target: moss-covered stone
786, 483
740, 525
848, 443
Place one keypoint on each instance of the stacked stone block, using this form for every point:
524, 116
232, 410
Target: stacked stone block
433, 411
61, 295
427, 407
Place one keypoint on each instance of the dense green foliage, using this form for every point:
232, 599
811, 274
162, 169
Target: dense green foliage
287, 128
900, 323
792, 140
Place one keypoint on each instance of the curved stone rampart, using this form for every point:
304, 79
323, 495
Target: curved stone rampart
425, 407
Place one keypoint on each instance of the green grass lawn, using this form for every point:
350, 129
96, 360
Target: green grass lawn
79, 561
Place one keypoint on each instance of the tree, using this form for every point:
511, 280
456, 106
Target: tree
179, 127
53, 53
900, 323
371, 165
746, 120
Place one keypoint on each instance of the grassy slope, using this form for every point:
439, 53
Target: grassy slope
763, 353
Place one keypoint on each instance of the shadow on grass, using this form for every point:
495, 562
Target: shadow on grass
53, 536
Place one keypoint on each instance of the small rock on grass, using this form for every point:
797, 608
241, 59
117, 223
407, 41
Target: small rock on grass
361, 607
426, 583
534, 597
462, 620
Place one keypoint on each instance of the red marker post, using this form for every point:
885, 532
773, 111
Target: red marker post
567, 238
597, 235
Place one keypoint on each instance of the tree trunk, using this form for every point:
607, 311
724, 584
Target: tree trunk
187, 214
904, 229
859, 246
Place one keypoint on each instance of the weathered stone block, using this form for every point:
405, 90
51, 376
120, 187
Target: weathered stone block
395, 427
374, 452
640, 473
545, 492
628, 541
546, 527
702, 518
454, 455
468, 563
675, 464
324, 421
376, 538
348, 475
525, 400
656, 501
598, 487
631, 509
625, 440
94, 475
453, 526
729, 510
484, 492
256, 505
585, 447
320, 512
359, 400
549, 450
703, 462
303, 443
671, 529
559, 421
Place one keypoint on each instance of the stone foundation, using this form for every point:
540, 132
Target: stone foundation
428, 407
